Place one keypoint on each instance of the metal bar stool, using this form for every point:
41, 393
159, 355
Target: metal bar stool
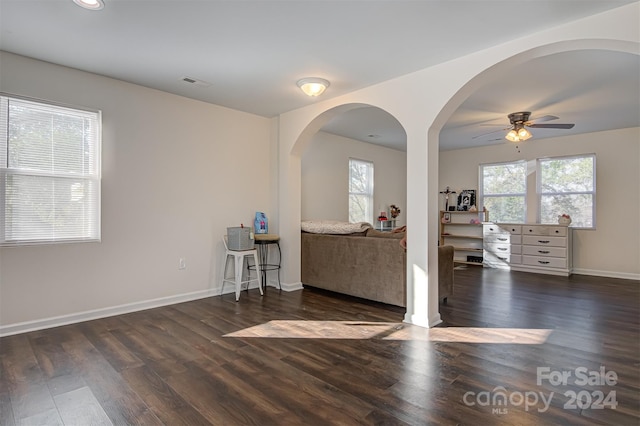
263, 242
239, 257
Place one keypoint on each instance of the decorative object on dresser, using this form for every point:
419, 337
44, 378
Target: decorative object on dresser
545, 249
463, 230
384, 223
446, 193
467, 200
394, 211
564, 219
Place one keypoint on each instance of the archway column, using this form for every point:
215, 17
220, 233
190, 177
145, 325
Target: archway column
422, 228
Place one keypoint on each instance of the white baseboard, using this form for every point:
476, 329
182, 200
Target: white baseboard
41, 324
608, 274
24, 327
291, 286
422, 321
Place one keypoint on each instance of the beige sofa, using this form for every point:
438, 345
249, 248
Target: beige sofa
370, 264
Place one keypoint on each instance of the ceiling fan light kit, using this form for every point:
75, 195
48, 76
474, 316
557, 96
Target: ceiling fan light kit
520, 121
518, 134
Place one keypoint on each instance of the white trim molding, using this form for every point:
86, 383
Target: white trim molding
41, 324
608, 274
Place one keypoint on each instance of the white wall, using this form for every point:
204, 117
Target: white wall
325, 177
175, 173
613, 248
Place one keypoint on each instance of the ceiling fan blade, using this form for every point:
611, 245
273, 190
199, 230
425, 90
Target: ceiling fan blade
488, 133
543, 118
552, 126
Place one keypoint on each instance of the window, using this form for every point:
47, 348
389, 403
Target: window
503, 190
49, 173
566, 185
360, 191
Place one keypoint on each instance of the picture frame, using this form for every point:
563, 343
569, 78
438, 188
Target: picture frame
446, 217
466, 199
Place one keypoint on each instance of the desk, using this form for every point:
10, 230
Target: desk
263, 242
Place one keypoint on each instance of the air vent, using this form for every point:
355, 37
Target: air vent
196, 82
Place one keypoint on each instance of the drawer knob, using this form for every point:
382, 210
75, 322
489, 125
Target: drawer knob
543, 241
502, 239
543, 251
543, 262
502, 248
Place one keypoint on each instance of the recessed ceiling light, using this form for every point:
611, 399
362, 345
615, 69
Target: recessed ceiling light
90, 4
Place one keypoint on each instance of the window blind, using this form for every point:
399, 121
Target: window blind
49, 172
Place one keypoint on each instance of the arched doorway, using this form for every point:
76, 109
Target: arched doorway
422, 102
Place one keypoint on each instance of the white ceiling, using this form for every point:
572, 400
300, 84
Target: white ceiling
253, 52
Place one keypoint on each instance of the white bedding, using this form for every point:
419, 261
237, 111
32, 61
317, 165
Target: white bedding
333, 227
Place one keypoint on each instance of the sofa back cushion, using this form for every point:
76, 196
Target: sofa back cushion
379, 234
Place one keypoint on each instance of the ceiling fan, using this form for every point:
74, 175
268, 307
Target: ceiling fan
520, 121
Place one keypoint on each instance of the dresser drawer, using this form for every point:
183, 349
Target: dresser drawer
493, 228
558, 231
497, 238
497, 247
547, 262
544, 251
496, 259
512, 229
542, 240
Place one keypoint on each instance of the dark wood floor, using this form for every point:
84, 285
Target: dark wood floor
315, 358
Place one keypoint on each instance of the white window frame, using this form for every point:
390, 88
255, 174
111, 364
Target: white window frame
540, 193
367, 193
86, 180
482, 196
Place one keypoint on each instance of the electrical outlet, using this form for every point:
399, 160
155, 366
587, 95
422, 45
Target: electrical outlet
182, 263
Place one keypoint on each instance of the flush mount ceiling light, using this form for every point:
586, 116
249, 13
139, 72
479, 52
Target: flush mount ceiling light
313, 86
90, 4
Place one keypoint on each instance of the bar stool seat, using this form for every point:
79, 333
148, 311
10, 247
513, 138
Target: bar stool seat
239, 257
263, 242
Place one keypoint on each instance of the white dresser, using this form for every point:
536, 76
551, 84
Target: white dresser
537, 248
